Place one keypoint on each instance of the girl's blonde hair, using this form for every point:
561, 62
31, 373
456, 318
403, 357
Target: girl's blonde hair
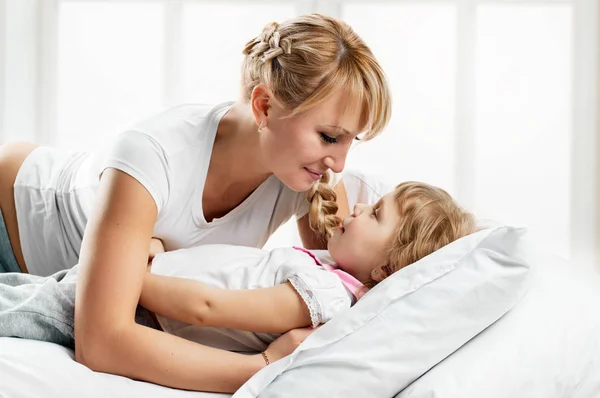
429, 220
304, 61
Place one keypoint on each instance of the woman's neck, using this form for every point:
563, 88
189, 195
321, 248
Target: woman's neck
237, 153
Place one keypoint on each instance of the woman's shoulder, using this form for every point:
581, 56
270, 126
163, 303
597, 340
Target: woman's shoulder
182, 127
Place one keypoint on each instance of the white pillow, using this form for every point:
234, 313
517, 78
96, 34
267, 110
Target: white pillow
406, 324
547, 346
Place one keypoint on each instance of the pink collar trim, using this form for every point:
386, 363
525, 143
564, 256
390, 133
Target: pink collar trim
354, 286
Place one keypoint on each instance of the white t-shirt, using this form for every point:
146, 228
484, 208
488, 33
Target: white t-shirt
169, 155
364, 188
323, 290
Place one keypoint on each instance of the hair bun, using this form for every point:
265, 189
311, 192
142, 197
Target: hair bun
268, 44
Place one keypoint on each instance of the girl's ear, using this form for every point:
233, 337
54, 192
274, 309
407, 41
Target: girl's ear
378, 274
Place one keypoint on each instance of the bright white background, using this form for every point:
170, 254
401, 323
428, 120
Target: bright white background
494, 100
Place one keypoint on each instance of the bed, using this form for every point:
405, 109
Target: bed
522, 323
37, 369
547, 345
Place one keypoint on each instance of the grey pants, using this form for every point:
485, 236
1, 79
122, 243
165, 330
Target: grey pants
8, 262
42, 308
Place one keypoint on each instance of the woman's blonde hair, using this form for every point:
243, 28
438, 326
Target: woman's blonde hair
429, 220
304, 61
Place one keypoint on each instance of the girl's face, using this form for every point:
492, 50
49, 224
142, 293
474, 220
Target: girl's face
359, 246
299, 149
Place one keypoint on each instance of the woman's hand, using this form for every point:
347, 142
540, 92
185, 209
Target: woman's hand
287, 343
156, 246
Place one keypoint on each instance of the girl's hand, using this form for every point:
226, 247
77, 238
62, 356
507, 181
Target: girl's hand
285, 344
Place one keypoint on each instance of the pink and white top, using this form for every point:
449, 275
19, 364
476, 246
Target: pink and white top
324, 288
353, 285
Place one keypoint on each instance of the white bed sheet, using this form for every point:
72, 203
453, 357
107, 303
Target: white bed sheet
31, 369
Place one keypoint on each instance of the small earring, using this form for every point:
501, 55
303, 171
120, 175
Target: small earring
260, 127
375, 272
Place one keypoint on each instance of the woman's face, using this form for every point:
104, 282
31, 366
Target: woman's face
299, 149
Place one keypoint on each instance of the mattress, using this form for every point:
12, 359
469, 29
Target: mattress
37, 369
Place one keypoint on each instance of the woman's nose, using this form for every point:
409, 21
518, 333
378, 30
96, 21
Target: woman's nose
336, 161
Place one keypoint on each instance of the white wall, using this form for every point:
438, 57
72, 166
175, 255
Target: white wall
494, 100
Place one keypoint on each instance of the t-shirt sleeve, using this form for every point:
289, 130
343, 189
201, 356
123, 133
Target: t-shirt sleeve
322, 292
144, 159
364, 188
334, 178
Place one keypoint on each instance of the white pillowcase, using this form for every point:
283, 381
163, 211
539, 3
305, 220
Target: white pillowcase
406, 324
547, 346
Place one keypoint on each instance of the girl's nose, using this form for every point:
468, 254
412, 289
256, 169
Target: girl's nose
359, 208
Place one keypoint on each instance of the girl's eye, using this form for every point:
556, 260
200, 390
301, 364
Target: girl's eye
328, 139
374, 212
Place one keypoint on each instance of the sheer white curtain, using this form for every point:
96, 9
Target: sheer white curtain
494, 100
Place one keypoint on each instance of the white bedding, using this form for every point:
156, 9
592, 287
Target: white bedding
548, 346
36, 369
407, 324
31, 369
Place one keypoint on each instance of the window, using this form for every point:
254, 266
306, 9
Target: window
110, 68
494, 100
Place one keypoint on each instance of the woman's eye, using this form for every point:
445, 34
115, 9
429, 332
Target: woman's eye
328, 139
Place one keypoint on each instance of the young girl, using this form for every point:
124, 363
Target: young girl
229, 173
241, 298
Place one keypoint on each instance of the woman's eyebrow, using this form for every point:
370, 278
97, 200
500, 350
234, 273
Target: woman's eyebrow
339, 128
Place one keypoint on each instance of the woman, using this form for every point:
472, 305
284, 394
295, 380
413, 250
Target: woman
230, 173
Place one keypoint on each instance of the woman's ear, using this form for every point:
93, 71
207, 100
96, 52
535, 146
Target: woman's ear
260, 101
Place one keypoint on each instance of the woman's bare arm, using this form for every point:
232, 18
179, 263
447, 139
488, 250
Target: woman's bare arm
112, 267
266, 310
309, 239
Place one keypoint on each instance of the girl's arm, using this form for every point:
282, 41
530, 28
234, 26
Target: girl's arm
309, 239
113, 262
266, 310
